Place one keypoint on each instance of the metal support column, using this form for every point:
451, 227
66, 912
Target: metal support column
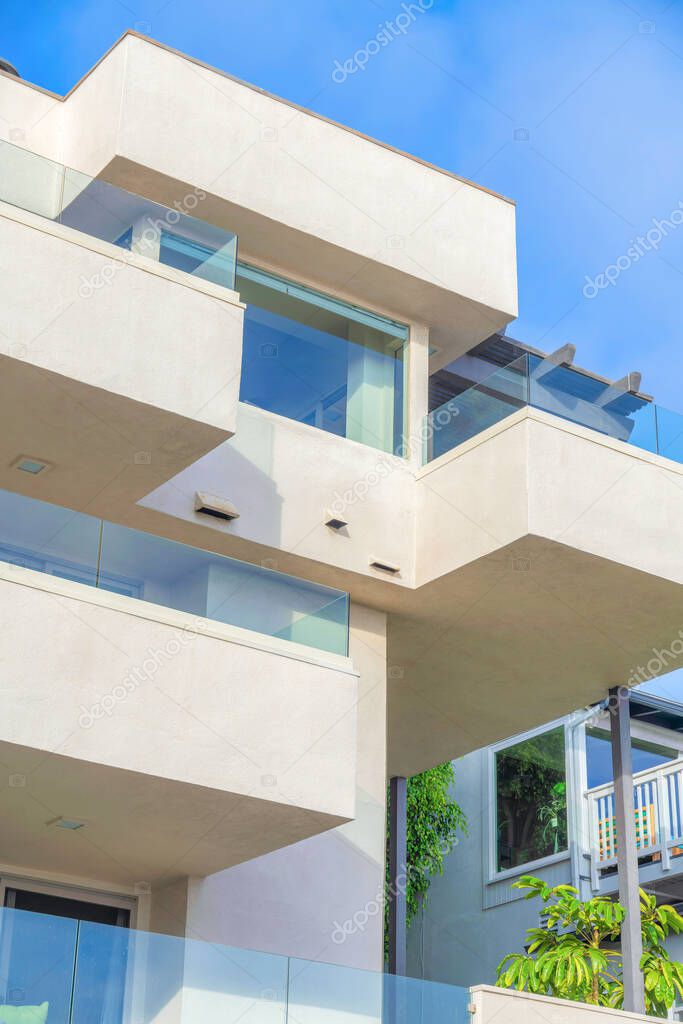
627, 851
398, 853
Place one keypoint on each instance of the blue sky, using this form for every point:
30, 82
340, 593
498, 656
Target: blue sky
572, 108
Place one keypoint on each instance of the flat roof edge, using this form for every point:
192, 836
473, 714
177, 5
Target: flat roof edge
264, 92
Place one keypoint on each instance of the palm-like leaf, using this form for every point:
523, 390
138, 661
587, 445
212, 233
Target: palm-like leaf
569, 955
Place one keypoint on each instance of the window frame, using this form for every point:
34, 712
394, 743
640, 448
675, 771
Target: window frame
401, 347
492, 874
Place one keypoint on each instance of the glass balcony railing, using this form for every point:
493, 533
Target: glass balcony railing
64, 971
167, 235
78, 547
561, 391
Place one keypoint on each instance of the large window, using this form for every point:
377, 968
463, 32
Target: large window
599, 756
320, 361
531, 800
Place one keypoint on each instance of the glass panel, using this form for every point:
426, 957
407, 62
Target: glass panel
73, 546
90, 973
213, 586
564, 391
670, 434
37, 955
531, 800
29, 181
417, 1002
145, 977
480, 407
317, 361
48, 538
101, 970
322, 993
105, 211
599, 756
225, 984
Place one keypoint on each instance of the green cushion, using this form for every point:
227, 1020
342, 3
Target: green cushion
24, 1014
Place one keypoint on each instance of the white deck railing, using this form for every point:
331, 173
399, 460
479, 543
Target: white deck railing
658, 808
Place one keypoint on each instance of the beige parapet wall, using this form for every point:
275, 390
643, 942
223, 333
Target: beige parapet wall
508, 1007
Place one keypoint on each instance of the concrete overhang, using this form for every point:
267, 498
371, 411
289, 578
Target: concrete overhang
348, 213
146, 724
550, 564
541, 562
97, 379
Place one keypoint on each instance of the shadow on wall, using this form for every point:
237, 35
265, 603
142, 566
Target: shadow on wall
240, 470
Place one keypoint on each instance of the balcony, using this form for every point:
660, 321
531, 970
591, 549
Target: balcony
120, 331
193, 710
64, 971
558, 389
549, 557
658, 809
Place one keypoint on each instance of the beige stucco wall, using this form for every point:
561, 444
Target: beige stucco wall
283, 476
297, 900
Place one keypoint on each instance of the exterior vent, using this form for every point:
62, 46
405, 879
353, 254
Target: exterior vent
334, 521
219, 508
392, 570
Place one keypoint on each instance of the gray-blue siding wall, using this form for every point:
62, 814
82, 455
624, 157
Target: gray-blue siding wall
470, 923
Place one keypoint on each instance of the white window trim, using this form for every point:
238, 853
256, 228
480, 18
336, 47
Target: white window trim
491, 874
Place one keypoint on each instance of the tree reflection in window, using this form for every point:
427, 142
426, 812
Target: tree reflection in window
531, 800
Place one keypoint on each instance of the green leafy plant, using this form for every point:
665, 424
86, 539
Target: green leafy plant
573, 955
434, 822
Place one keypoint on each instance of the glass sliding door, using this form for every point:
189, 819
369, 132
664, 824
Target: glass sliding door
37, 959
58, 964
321, 361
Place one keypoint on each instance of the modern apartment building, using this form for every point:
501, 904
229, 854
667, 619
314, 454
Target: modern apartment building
542, 803
284, 513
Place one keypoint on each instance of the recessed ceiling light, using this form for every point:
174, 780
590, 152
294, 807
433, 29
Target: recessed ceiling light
70, 824
27, 464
